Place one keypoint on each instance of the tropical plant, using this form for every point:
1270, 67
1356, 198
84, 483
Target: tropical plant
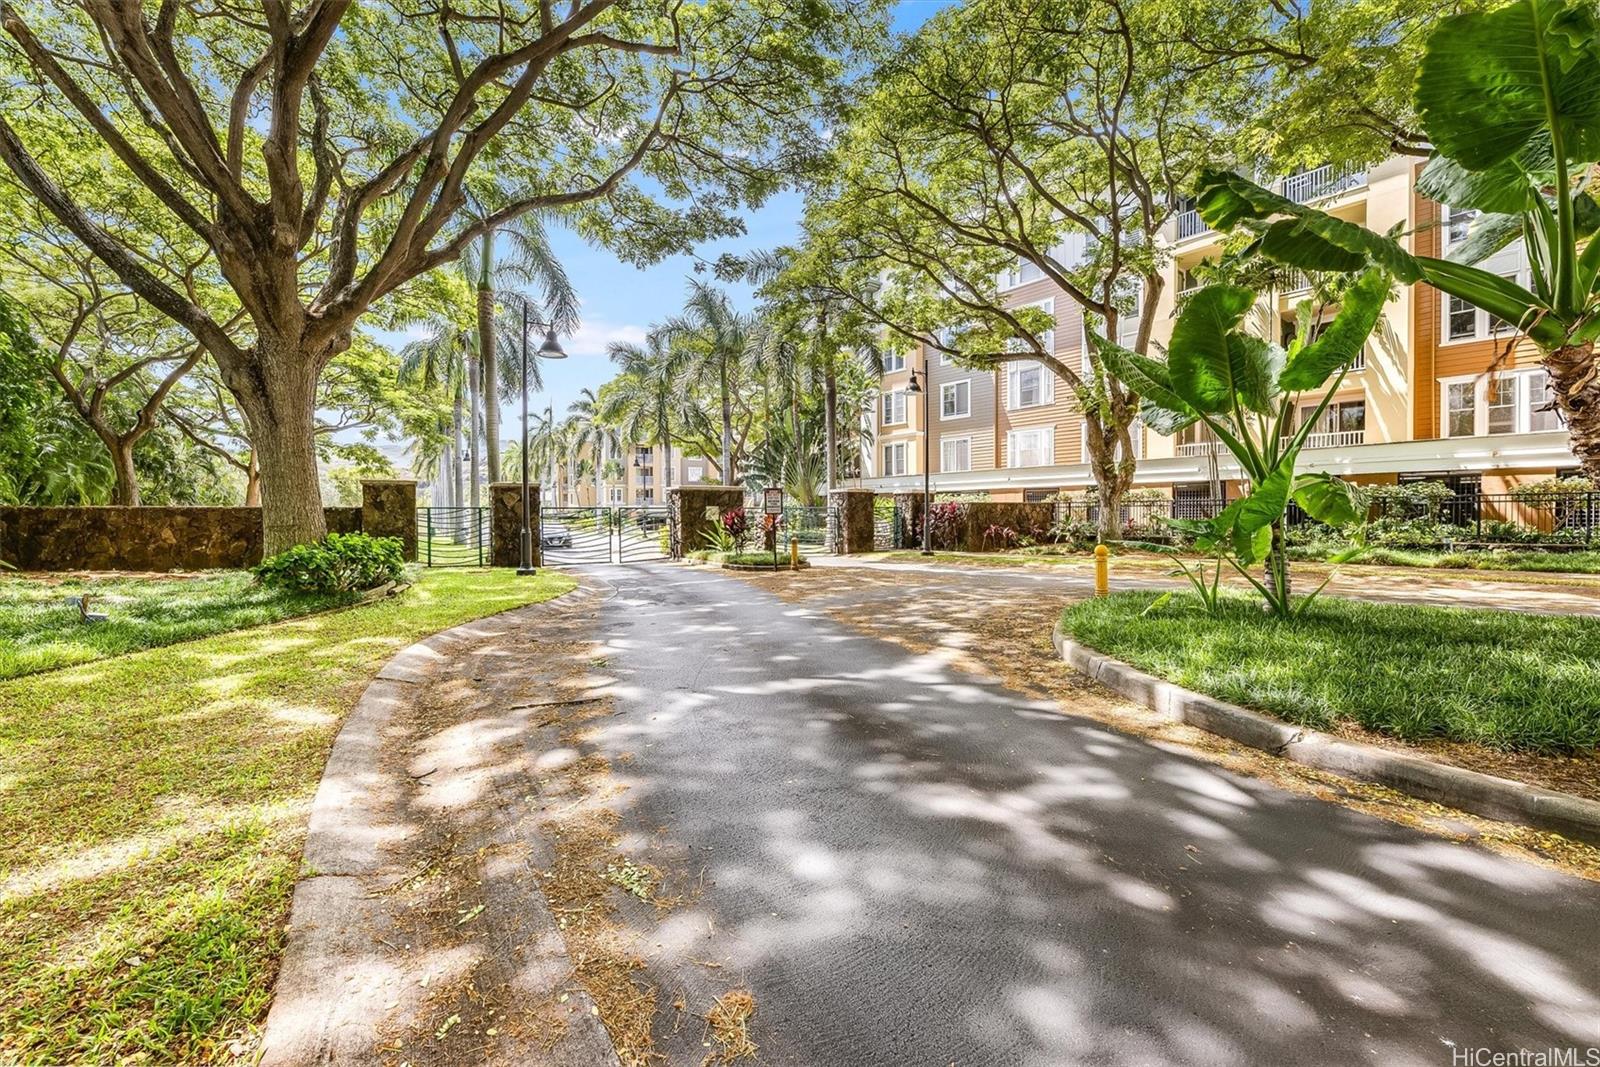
1510, 101
1245, 390
517, 252
339, 563
716, 342
643, 401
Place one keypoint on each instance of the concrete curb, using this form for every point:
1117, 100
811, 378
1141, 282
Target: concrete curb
1473, 791
333, 988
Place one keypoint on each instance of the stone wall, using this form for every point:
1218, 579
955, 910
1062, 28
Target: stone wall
140, 539
389, 509
852, 510
176, 538
691, 504
505, 524
966, 534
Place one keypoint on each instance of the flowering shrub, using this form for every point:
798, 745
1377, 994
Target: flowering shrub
998, 536
736, 524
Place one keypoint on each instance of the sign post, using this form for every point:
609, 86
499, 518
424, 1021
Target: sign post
772, 505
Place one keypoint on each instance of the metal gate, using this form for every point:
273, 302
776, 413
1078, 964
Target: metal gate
812, 526
634, 534
453, 537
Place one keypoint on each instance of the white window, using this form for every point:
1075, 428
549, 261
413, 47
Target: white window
894, 361
1031, 448
1460, 405
1542, 412
1466, 321
894, 459
1020, 273
894, 407
1187, 279
695, 473
1457, 224
955, 399
618, 494
1509, 402
1028, 385
955, 454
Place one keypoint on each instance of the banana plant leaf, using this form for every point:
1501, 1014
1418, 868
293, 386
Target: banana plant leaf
1326, 498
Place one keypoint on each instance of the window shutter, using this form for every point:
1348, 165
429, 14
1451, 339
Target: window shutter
1047, 384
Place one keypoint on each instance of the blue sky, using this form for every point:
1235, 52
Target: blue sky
621, 301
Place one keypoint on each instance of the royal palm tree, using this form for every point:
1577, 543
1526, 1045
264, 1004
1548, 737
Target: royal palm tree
442, 358
523, 257
599, 438
716, 343
642, 401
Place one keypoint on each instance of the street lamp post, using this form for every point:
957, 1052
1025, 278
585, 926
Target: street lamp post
550, 349
925, 387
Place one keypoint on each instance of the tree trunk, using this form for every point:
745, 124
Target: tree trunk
1575, 377
252, 482
491, 380
126, 492
282, 411
727, 429
474, 399
1113, 469
456, 487
830, 416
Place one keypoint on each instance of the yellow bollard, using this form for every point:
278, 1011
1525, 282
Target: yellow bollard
794, 553
1102, 570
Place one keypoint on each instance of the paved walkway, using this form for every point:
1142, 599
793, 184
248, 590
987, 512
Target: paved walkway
907, 864
1578, 595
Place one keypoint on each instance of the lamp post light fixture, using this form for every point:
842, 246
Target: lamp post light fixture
550, 349
925, 387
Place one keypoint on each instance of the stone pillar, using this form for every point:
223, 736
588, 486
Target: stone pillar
851, 509
690, 505
389, 509
505, 524
909, 507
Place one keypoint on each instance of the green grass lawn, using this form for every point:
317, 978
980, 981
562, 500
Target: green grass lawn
40, 632
1511, 681
1508, 560
153, 809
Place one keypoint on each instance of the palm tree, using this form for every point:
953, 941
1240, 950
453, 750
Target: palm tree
441, 358
641, 402
594, 434
525, 258
716, 342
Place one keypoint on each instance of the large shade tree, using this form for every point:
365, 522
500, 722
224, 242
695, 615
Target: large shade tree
1044, 133
321, 154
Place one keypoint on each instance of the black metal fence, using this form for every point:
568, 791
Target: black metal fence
453, 537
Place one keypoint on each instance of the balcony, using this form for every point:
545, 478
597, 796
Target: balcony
1318, 182
1190, 224
1198, 448
1336, 439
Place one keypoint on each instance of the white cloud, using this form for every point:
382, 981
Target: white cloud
594, 335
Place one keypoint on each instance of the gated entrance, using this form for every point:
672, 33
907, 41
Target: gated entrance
453, 537
635, 534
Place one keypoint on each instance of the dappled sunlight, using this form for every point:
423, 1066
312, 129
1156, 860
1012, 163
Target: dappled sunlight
1105, 898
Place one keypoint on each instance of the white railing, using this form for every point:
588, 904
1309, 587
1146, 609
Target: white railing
1296, 283
1360, 362
1337, 439
1318, 182
1197, 448
1190, 224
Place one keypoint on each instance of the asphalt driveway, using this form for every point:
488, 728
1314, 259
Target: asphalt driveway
911, 865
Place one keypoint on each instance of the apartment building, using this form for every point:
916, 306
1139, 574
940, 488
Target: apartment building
1420, 404
629, 476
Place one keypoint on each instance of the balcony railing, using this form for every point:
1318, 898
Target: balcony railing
1318, 182
1190, 224
1197, 448
1336, 439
